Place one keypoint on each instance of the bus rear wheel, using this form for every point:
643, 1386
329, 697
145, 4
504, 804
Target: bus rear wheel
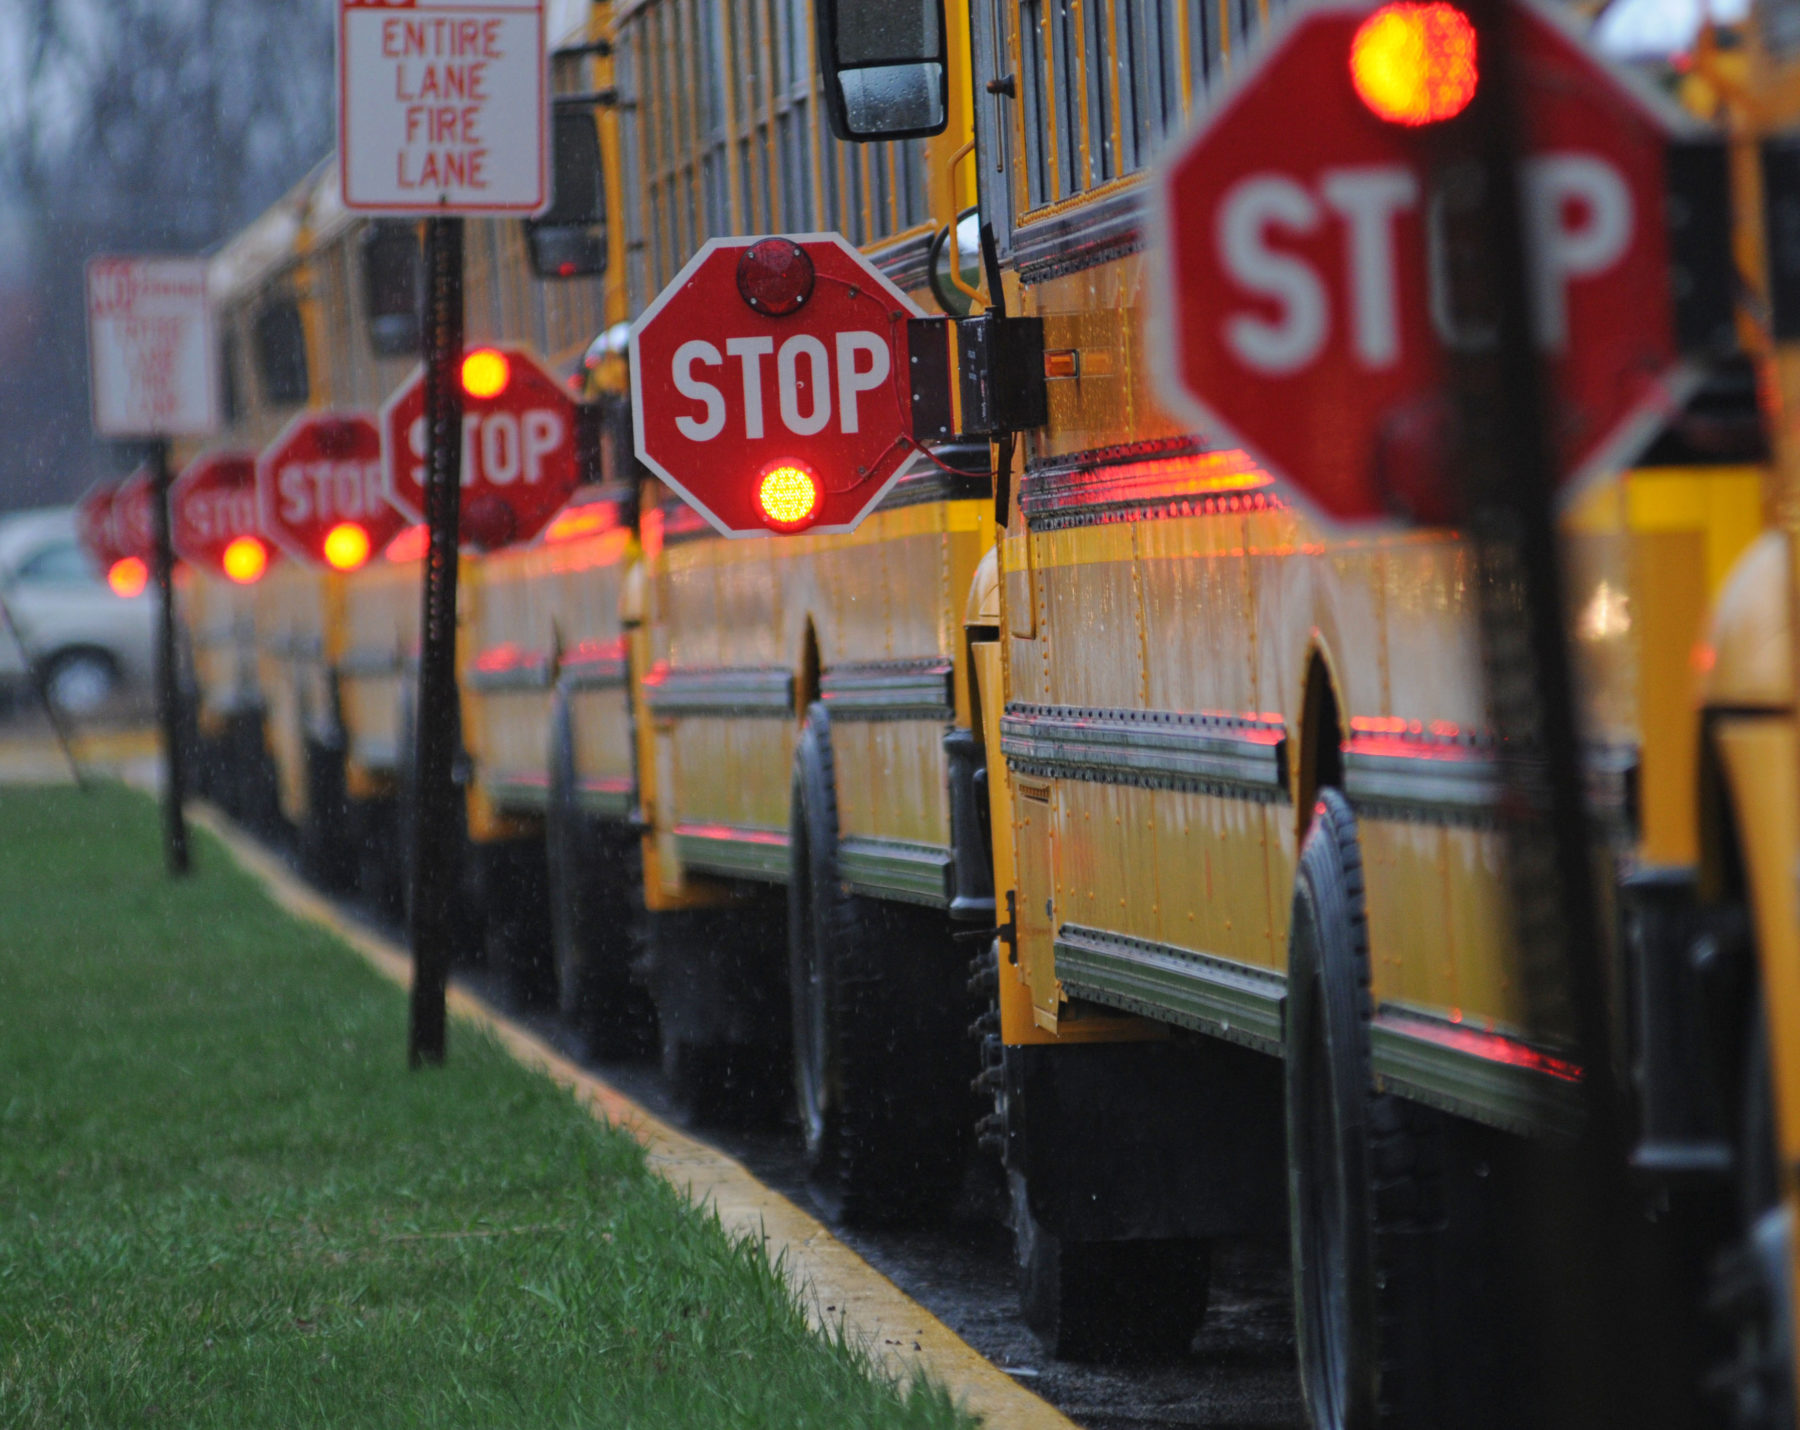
1362, 1202
880, 1002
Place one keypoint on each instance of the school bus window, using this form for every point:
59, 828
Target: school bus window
1034, 103
715, 189
391, 287
1097, 61
630, 175
1065, 106
570, 240
1149, 75
281, 352
228, 379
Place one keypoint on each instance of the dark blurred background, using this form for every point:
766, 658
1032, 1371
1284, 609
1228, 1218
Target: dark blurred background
131, 126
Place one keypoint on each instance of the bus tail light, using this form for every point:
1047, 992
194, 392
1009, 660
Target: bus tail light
1415, 63
787, 496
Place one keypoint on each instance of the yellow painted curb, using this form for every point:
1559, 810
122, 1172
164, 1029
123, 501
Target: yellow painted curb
38, 759
902, 1335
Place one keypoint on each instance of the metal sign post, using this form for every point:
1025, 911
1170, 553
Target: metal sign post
434, 850
152, 374
402, 151
1587, 1265
168, 684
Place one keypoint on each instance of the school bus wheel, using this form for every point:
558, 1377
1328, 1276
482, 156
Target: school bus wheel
1391, 1210
1113, 1301
592, 871
882, 1062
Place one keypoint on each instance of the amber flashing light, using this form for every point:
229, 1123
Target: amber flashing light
245, 560
346, 546
485, 373
1415, 63
128, 576
787, 496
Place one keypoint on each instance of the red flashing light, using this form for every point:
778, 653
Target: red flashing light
788, 496
128, 577
485, 373
1415, 63
775, 277
245, 560
346, 546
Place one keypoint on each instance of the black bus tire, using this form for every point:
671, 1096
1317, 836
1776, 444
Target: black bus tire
1355, 1158
882, 1061
593, 915
1111, 1302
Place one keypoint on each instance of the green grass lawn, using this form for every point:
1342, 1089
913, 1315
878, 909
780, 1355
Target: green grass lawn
224, 1200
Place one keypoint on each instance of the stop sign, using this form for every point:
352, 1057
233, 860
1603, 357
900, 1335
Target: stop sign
133, 516
519, 460
1301, 236
321, 476
94, 525
775, 366
212, 504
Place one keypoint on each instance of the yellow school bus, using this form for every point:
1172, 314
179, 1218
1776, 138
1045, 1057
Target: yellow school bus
263, 372
785, 701
1244, 803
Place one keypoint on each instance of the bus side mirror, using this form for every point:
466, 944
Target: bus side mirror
393, 287
569, 241
884, 66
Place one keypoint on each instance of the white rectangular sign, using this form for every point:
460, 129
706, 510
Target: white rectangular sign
151, 355
443, 106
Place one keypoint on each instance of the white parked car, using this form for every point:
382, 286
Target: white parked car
91, 644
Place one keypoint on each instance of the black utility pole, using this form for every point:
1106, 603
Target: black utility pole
434, 868
168, 683
1582, 1253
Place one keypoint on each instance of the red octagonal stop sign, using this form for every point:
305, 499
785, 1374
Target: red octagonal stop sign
518, 455
1312, 312
324, 472
211, 504
94, 525
742, 372
134, 516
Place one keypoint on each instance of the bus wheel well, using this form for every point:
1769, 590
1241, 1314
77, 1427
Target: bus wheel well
806, 680
1321, 764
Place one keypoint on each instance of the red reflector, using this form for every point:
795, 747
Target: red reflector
775, 277
788, 496
410, 545
128, 577
1415, 63
485, 373
245, 560
488, 522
